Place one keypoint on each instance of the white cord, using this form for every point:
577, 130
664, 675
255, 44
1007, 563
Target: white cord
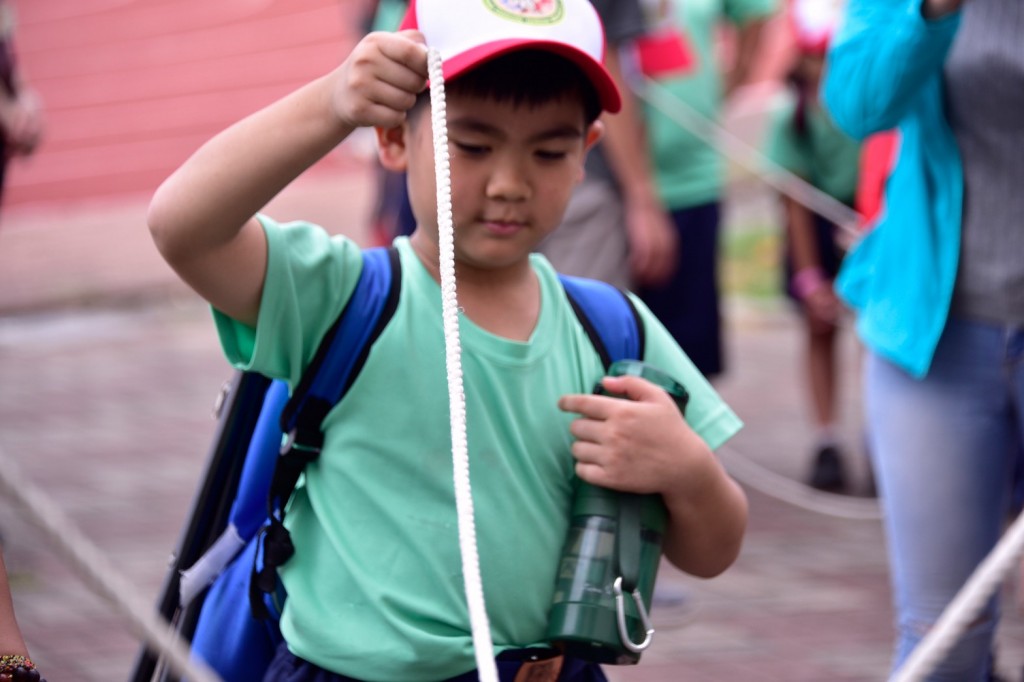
739, 151
750, 473
965, 607
95, 569
482, 644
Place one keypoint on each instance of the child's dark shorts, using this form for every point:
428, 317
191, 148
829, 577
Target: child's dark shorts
287, 667
688, 303
830, 255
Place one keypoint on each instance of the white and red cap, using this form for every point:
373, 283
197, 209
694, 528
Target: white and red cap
814, 22
469, 32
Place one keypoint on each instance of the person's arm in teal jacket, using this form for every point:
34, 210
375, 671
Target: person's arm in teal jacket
885, 51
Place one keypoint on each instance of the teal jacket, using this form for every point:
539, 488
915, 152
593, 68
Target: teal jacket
884, 72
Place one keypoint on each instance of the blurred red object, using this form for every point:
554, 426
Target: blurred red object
877, 158
664, 52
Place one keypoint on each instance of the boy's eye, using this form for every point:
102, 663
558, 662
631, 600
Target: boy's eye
471, 149
551, 154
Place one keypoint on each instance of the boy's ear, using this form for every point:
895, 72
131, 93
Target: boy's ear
391, 148
594, 134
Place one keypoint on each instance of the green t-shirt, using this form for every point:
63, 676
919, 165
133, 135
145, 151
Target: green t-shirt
388, 16
375, 587
823, 155
689, 171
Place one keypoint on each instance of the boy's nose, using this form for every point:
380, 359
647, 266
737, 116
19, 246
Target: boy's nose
508, 181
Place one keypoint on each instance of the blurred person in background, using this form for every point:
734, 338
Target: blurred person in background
20, 112
938, 288
392, 213
802, 139
689, 172
616, 228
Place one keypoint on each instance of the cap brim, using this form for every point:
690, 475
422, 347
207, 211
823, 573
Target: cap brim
607, 91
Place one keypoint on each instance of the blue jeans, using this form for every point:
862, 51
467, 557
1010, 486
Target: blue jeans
946, 451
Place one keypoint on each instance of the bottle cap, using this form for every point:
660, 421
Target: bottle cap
655, 376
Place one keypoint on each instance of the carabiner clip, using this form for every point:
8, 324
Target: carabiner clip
620, 615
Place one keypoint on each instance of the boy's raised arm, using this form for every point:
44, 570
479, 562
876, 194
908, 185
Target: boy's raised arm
202, 216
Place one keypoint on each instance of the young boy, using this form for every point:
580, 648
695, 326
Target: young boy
375, 588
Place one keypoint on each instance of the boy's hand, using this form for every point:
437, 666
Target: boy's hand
653, 242
643, 445
639, 445
378, 83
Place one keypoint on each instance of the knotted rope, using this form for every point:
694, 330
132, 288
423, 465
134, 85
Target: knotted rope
481, 629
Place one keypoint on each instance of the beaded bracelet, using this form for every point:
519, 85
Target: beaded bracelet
14, 668
807, 281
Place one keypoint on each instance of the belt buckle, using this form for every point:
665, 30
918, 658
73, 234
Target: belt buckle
544, 670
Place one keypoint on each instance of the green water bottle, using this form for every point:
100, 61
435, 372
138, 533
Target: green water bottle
610, 560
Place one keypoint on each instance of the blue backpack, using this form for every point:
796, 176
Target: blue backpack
222, 592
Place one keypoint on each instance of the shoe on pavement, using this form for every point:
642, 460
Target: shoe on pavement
828, 473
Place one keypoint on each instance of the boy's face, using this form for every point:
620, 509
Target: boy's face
513, 169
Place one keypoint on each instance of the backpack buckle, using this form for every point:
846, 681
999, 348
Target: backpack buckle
306, 443
299, 449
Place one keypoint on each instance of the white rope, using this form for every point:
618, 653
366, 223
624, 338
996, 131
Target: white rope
99, 573
965, 607
482, 644
750, 473
958, 614
734, 148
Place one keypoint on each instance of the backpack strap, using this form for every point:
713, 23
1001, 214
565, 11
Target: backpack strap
337, 362
609, 318
345, 346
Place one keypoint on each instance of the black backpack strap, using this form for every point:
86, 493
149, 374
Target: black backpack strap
336, 364
609, 318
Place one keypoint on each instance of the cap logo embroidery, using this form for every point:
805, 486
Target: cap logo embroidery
528, 11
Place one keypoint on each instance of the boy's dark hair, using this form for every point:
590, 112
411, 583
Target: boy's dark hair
526, 77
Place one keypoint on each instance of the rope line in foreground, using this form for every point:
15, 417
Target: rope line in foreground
100, 573
764, 480
732, 147
479, 624
965, 607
